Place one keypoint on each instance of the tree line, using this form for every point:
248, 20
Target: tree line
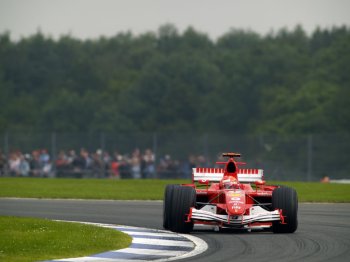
287, 82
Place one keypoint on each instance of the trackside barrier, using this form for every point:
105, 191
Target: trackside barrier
283, 157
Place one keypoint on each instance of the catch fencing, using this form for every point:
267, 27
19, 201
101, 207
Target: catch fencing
286, 158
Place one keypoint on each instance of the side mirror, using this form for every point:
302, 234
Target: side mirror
260, 182
203, 181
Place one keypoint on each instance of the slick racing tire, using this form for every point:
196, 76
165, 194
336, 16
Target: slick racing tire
167, 203
184, 198
285, 198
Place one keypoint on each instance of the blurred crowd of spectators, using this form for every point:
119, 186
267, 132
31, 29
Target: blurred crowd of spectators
97, 164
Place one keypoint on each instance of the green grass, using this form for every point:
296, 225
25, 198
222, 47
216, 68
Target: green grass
29, 239
319, 192
142, 189
84, 188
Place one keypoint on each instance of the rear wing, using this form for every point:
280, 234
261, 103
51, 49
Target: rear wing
203, 174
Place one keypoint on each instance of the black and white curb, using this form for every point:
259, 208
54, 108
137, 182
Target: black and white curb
148, 245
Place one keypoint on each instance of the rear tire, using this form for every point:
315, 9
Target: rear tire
285, 198
184, 198
167, 203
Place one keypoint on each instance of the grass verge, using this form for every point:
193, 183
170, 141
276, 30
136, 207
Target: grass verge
319, 192
29, 239
147, 189
127, 189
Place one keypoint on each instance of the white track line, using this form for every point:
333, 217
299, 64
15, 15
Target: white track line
162, 242
135, 234
151, 251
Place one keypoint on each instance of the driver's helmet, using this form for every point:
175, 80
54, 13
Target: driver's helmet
230, 183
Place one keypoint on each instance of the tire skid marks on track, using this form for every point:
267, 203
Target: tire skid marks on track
148, 245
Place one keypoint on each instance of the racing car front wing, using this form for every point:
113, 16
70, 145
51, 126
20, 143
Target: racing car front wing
257, 214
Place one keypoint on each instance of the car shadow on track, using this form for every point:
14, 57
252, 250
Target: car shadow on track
233, 231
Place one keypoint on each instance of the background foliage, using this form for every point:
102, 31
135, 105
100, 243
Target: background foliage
285, 82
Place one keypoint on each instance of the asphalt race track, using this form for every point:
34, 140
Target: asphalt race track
323, 233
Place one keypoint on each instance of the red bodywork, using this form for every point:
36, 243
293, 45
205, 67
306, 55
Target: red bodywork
229, 206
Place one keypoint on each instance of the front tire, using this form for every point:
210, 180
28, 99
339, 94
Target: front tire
167, 203
285, 198
184, 198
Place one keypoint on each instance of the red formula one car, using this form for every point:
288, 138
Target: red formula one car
230, 197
